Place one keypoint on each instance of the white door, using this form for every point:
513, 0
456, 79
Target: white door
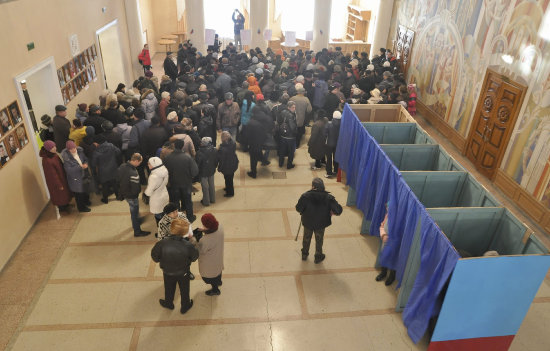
111, 55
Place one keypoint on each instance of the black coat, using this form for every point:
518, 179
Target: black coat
316, 207
114, 138
254, 134
289, 118
317, 141
113, 115
105, 161
207, 160
228, 162
61, 130
181, 169
175, 255
170, 68
331, 104
129, 186
333, 132
152, 139
95, 121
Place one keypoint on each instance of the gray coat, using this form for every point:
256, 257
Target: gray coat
77, 177
211, 254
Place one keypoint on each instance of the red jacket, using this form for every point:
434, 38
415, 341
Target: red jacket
56, 180
145, 58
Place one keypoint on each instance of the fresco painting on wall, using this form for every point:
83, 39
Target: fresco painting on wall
449, 61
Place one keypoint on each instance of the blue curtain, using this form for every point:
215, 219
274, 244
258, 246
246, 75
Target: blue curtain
437, 262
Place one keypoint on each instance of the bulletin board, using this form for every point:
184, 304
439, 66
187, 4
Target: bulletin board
13, 134
77, 74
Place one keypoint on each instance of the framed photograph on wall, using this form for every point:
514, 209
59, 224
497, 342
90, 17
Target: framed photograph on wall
86, 58
61, 77
65, 93
72, 69
5, 123
4, 156
15, 113
75, 87
22, 136
12, 144
94, 52
71, 91
66, 73
94, 74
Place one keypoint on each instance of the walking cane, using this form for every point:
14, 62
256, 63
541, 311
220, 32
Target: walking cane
298, 232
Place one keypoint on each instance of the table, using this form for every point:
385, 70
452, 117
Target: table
169, 36
181, 36
167, 42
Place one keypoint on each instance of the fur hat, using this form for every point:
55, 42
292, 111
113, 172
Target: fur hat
209, 221
337, 115
300, 79
206, 141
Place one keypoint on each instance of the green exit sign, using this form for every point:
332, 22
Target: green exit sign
30, 46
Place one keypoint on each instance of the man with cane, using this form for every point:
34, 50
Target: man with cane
316, 207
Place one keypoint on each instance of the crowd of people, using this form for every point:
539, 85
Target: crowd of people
169, 134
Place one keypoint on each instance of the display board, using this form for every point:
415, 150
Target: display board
76, 75
13, 134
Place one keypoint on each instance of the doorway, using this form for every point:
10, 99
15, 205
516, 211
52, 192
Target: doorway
43, 93
110, 52
496, 113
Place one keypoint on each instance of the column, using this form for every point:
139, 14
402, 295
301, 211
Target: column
195, 24
135, 35
321, 24
382, 26
258, 22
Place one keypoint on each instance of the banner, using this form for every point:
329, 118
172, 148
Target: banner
246, 36
309, 35
267, 34
209, 36
290, 38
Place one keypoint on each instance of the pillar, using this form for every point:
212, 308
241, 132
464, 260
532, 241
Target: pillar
258, 22
321, 24
135, 35
195, 24
382, 26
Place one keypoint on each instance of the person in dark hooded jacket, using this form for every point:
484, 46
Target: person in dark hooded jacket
316, 207
317, 141
207, 161
228, 162
105, 162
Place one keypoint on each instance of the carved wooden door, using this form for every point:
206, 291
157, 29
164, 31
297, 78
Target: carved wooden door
494, 119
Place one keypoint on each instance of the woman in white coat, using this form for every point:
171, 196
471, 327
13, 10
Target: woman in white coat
156, 188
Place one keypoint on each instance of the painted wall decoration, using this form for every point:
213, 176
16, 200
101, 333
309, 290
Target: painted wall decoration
456, 41
77, 74
13, 135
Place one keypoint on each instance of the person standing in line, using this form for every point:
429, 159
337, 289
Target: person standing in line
303, 109
229, 115
156, 191
286, 122
170, 68
56, 179
228, 162
61, 127
145, 58
175, 255
105, 162
316, 208
317, 142
211, 253
129, 188
75, 163
238, 25
332, 135
207, 161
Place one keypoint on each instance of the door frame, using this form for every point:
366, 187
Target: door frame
513, 118
100, 53
48, 62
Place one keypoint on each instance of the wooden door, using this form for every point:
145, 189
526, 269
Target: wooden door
497, 109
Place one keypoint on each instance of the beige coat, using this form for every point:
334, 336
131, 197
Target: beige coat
211, 254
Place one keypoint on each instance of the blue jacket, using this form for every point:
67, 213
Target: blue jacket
76, 176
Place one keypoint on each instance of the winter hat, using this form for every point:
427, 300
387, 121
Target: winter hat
300, 79
251, 80
164, 78
155, 162
172, 116
49, 145
90, 131
206, 141
370, 67
46, 120
94, 108
375, 93
170, 207
203, 87
107, 125
337, 115
70, 145
82, 107
209, 221
100, 139
228, 96
139, 113
259, 71
148, 74
356, 91
298, 86
386, 64
254, 59
59, 108
318, 184
260, 97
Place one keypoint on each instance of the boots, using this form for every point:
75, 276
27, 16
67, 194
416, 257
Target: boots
382, 274
391, 278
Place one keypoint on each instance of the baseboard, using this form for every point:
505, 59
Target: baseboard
449, 132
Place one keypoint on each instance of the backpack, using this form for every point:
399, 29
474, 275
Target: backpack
205, 125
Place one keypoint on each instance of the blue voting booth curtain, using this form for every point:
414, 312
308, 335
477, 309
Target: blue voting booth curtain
378, 184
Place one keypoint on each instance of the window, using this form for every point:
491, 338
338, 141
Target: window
297, 16
217, 16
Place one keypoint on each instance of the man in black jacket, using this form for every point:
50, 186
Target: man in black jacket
207, 161
110, 135
95, 119
152, 139
105, 161
129, 189
61, 127
175, 255
170, 68
181, 171
286, 122
316, 207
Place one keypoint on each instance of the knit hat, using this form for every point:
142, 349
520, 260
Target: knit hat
82, 107
337, 115
46, 120
49, 145
148, 74
206, 141
318, 184
172, 116
94, 109
90, 131
259, 71
155, 162
370, 67
70, 145
209, 221
170, 207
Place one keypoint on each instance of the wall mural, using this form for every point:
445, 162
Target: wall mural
456, 41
